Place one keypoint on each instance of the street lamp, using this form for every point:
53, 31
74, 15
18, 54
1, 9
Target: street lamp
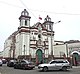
51, 37
67, 50
49, 26
24, 50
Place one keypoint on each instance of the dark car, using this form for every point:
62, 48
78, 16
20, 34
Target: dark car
10, 63
4, 61
24, 64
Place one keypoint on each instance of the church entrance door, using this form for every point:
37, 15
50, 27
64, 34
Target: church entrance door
75, 58
39, 55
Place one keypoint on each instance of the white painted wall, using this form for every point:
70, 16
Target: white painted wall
1, 53
73, 47
18, 45
49, 43
6, 52
7, 46
60, 50
27, 43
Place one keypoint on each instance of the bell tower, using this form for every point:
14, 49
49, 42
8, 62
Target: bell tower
48, 23
24, 34
50, 33
24, 18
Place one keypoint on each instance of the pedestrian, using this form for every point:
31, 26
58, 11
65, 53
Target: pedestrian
75, 61
41, 62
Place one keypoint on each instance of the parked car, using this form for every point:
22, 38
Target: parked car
58, 64
0, 62
24, 64
4, 61
10, 63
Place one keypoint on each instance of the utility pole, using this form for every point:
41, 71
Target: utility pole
51, 41
67, 50
49, 26
52, 32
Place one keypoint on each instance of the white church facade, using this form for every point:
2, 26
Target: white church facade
37, 42
31, 42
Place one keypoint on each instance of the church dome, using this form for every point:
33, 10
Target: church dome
25, 13
47, 18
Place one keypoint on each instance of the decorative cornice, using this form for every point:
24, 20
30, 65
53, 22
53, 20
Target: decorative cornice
33, 47
24, 30
33, 40
48, 22
37, 28
32, 44
23, 27
50, 34
24, 17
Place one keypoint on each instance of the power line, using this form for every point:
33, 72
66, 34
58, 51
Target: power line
36, 10
55, 12
49, 12
27, 7
10, 4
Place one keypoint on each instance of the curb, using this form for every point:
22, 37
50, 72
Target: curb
75, 66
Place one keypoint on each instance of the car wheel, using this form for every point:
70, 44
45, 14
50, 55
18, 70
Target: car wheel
14, 67
64, 68
1, 65
24, 68
45, 69
31, 68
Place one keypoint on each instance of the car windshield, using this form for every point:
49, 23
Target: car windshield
50, 61
26, 61
11, 60
31, 63
58, 61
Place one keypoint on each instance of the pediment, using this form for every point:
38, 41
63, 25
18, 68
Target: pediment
39, 25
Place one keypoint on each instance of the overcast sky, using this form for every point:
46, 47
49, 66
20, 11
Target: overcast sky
68, 11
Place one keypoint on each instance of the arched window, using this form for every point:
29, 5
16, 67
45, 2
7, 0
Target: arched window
39, 36
25, 22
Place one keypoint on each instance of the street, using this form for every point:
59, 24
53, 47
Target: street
10, 70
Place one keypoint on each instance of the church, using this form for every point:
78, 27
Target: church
32, 42
36, 43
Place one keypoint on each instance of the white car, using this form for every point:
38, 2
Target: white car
58, 64
0, 62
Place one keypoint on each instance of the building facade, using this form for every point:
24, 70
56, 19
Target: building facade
37, 43
9, 46
74, 52
1, 54
68, 50
31, 42
59, 49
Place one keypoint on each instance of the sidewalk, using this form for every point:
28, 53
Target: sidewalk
36, 67
75, 66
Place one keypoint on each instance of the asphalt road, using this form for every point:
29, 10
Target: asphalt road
10, 70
